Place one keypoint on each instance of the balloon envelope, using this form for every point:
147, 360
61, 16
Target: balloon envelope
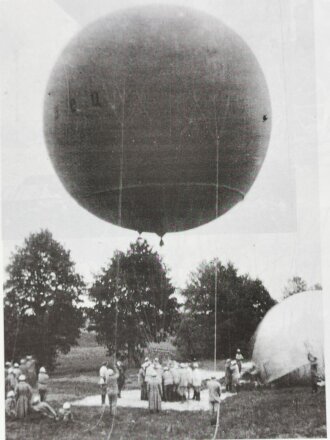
157, 118
288, 332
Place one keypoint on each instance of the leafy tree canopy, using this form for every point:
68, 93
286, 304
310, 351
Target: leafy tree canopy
133, 302
41, 303
241, 304
296, 285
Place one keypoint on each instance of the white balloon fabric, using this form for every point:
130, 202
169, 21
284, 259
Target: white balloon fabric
288, 332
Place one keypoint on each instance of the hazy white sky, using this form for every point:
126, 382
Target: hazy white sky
272, 234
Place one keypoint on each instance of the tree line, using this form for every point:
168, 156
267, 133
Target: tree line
132, 302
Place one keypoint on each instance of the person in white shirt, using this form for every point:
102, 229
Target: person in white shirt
196, 382
239, 358
103, 381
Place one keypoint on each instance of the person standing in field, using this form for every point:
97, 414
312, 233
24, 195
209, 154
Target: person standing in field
10, 380
112, 389
167, 385
176, 380
10, 405
214, 398
23, 367
43, 380
196, 382
121, 377
23, 393
183, 384
17, 370
239, 358
142, 383
228, 376
31, 371
234, 376
154, 393
103, 381
314, 376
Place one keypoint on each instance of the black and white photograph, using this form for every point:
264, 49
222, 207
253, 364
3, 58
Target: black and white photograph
165, 220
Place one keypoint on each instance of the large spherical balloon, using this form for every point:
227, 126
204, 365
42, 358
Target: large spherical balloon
157, 118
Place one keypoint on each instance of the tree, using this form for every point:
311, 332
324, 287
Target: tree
41, 303
294, 285
133, 302
241, 304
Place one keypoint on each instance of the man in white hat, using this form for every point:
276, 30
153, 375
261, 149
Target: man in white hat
23, 393
43, 380
10, 405
65, 412
43, 408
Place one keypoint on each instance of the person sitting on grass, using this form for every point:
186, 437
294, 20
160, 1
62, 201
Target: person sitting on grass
43, 408
65, 413
154, 393
214, 398
10, 405
43, 380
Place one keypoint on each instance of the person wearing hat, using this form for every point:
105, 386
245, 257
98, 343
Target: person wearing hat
239, 358
65, 412
154, 393
43, 408
10, 405
23, 393
234, 376
214, 398
196, 382
167, 385
103, 381
228, 376
43, 380
112, 389
17, 370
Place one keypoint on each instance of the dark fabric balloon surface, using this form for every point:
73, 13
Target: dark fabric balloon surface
157, 118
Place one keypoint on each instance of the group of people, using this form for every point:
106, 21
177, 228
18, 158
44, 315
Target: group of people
173, 382
233, 368
21, 382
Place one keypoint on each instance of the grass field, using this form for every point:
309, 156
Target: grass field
269, 413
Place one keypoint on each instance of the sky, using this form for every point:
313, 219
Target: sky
273, 234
